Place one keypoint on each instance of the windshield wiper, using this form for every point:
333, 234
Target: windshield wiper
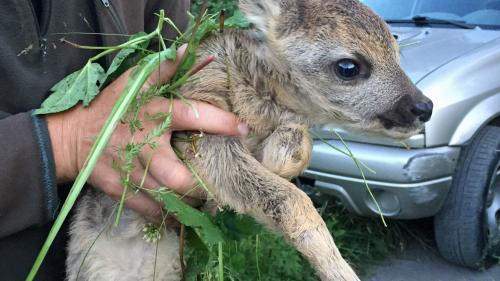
423, 20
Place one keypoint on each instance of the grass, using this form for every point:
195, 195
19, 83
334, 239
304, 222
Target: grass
363, 242
214, 7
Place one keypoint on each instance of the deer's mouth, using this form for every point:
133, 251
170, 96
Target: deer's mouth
394, 123
399, 131
387, 123
393, 128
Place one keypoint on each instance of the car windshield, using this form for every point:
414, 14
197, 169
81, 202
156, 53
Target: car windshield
484, 13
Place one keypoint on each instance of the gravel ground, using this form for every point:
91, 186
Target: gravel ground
420, 261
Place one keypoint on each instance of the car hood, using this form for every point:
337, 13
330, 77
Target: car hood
425, 49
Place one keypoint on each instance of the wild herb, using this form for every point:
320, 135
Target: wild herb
214, 7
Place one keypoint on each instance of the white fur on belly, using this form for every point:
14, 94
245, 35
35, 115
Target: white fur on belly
120, 253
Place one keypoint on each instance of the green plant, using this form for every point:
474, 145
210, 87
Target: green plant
214, 7
256, 254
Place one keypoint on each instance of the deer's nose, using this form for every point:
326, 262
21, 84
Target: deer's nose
423, 110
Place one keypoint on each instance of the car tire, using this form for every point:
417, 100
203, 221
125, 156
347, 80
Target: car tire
462, 230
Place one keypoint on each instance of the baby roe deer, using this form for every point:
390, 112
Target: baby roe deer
302, 62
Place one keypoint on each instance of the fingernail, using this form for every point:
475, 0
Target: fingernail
182, 50
243, 129
202, 65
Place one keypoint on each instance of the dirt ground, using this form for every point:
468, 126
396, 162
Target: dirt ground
420, 261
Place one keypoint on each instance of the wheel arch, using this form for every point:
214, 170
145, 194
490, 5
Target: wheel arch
495, 122
481, 115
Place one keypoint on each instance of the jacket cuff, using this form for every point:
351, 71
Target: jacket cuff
48, 171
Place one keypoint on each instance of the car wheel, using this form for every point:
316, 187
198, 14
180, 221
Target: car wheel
467, 228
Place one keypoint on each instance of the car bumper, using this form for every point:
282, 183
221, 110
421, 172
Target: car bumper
408, 184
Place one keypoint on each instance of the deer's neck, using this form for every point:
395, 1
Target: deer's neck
256, 66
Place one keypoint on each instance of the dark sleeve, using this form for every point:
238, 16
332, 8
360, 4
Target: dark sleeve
28, 192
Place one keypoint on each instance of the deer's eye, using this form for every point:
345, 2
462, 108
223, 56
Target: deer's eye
347, 69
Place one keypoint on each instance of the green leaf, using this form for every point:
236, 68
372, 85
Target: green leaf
156, 116
124, 54
197, 255
238, 261
238, 20
168, 54
207, 25
186, 65
82, 85
236, 226
199, 221
94, 76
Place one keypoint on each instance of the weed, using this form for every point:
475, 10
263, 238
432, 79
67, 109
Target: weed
214, 7
266, 256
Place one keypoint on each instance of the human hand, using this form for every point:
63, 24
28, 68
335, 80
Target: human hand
72, 135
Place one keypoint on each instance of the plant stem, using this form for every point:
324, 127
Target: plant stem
122, 198
341, 151
221, 263
106, 224
358, 165
156, 259
182, 242
257, 242
127, 44
357, 162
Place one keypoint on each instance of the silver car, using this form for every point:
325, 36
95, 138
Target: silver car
451, 51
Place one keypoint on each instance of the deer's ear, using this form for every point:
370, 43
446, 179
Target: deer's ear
260, 12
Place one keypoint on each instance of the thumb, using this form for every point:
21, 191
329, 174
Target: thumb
166, 69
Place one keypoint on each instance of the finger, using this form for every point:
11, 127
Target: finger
107, 180
169, 171
144, 205
165, 70
142, 178
207, 118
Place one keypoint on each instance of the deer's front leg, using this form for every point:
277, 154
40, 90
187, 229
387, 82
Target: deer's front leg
241, 182
286, 152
